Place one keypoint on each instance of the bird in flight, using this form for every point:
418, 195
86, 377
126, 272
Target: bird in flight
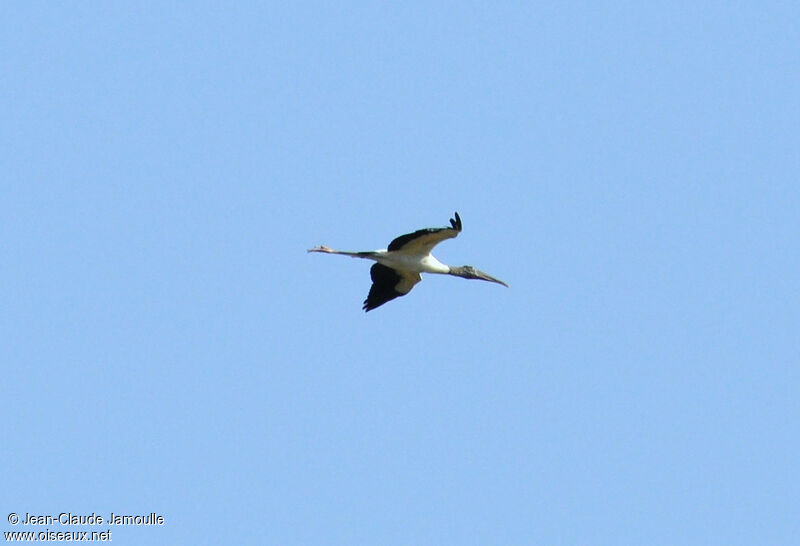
399, 266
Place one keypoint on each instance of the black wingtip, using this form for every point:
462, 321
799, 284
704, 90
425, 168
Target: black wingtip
456, 223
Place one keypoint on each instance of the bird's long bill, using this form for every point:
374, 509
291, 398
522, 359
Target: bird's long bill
484, 277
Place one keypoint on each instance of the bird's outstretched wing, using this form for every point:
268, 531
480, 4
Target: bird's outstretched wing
423, 240
388, 284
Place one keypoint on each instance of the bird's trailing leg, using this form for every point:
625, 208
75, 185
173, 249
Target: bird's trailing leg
328, 250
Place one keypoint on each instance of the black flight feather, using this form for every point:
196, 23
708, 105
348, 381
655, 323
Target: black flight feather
384, 281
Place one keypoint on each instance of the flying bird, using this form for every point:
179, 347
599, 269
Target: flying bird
399, 266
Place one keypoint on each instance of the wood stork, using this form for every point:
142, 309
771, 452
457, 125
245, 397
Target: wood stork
399, 266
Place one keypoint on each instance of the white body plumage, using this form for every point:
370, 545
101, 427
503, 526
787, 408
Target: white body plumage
416, 263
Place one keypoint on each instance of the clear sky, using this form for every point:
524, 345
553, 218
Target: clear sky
631, 169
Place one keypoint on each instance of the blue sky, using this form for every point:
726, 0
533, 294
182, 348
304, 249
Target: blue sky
630, 169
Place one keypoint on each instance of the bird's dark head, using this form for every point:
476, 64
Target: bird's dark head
469, 272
